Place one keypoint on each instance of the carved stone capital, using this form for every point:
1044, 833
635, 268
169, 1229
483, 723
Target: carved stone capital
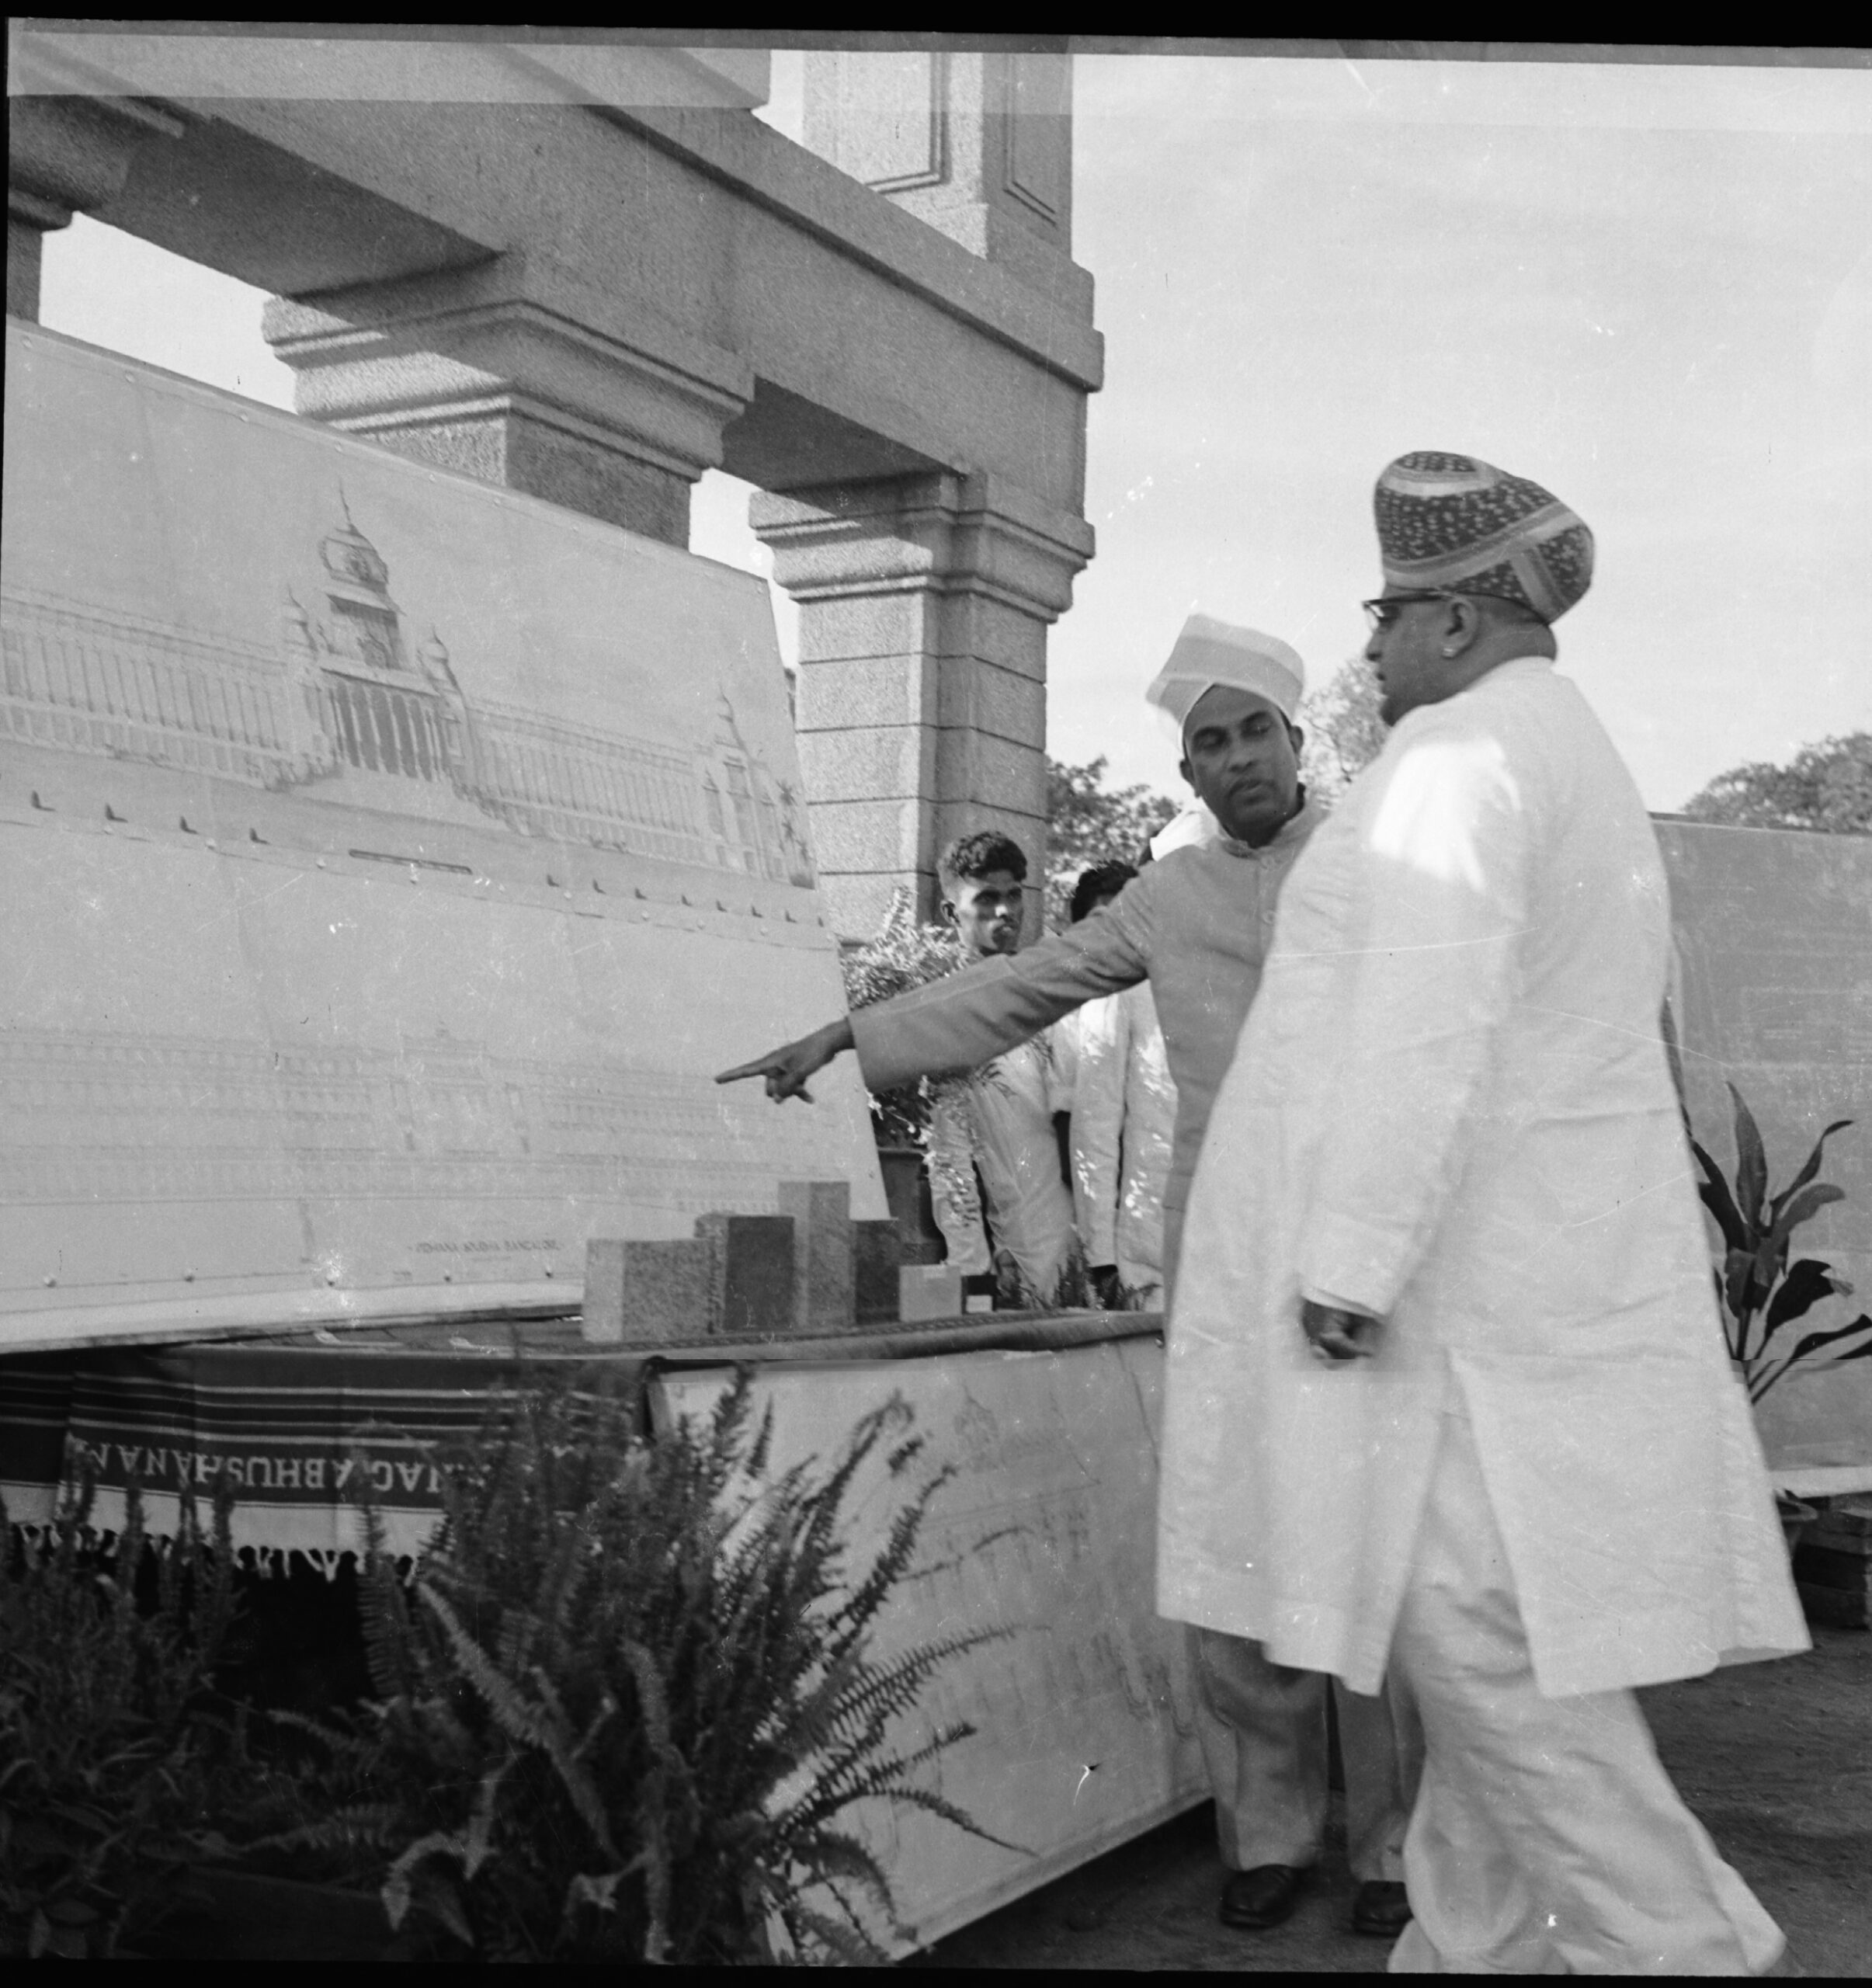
947, 533
517, 372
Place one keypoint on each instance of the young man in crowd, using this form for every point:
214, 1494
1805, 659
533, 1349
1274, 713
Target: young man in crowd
1019, 1248
1196, 924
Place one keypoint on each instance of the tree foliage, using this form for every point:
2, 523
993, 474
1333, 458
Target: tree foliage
1344, 732
1088, 823
1826, 786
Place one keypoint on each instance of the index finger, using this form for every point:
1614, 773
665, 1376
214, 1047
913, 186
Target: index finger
761, 1066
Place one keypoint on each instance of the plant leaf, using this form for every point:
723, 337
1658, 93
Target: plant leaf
1717, 1198
1807, 1282
1808, 1171
1814, 1341
1738, 1274
1750, 1163
397, 1885
1807, 1201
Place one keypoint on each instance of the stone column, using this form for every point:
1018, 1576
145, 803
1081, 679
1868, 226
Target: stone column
924, 606
977, 144
65, 154
519, 373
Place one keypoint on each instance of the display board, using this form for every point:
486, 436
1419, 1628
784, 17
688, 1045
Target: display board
387, 862
1773, 933
1084, 1717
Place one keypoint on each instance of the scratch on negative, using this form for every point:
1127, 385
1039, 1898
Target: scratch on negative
1426, 946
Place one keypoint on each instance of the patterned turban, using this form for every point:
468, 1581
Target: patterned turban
1451, 521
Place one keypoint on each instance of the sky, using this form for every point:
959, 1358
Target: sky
1649, 288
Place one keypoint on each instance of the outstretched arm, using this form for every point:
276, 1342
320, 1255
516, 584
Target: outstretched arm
787, 1068
960, 1022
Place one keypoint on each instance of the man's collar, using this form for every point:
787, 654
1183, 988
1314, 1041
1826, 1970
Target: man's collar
1298, 825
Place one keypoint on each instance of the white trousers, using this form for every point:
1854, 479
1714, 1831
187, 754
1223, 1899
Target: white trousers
1263, 1730
1547, 1838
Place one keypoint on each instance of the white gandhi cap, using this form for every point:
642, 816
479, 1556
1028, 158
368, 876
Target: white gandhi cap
1208, 653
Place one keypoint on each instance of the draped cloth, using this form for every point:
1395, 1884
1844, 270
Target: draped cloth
1123, 1106
1451, 1107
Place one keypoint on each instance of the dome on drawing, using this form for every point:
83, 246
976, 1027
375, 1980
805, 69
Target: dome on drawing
370, 708
357, 591
753, 821
351, 558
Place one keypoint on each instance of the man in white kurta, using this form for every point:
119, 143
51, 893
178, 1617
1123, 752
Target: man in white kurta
1446, 1387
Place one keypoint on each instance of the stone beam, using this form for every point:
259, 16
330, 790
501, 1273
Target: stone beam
745, 241
67, 154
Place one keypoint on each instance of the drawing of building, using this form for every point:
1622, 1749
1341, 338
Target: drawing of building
349, 708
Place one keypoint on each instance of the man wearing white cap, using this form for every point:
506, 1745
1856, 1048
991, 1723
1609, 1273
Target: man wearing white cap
1196, 924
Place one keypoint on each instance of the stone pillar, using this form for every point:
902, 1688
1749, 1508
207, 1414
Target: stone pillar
518, 373
977, 144
65, 156
923, 606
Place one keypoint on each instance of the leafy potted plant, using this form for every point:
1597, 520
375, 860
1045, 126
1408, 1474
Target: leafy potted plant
1760, 1293
112, 1766
627, 1701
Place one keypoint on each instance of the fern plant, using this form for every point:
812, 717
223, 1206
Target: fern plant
627, 1699
110, 1755
1759, 1291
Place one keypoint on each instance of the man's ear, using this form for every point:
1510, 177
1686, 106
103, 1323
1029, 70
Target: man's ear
946, 912
1182, 766
1296, 737
1464, 625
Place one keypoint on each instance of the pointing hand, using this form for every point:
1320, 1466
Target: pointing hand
787, 1069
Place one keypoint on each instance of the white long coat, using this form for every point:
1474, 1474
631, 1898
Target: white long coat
1124, 1105
1451, 1107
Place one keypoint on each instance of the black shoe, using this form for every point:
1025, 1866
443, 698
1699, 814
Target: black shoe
1381, 1909
1257, 1899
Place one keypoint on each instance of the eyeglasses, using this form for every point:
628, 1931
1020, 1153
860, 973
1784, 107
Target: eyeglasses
1383, 612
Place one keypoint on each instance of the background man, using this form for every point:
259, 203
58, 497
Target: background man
1445, 1384
1196, 924
1003, 1124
